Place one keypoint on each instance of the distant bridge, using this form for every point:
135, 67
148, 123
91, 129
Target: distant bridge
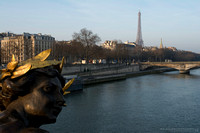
183, 67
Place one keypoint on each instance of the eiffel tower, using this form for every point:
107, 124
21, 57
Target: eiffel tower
139, 40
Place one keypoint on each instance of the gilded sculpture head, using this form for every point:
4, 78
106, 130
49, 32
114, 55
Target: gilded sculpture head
34, 86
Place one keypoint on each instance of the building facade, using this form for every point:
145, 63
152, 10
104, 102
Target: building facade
109, 44
2, 35
24, 46
113, 45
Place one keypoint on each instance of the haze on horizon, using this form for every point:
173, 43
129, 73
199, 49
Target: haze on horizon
176, 22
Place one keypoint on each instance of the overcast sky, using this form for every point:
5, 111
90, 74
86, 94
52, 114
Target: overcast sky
177, 22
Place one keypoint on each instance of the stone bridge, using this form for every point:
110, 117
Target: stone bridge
183, 67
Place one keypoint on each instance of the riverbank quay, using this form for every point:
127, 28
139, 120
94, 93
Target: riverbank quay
89, 80
147, 72
102, 78
109, 73
92, 74
99, 69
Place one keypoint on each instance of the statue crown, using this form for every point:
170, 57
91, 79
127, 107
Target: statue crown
15, 69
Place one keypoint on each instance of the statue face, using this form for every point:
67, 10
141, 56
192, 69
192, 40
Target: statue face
45, 102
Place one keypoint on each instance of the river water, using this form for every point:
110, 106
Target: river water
158, 103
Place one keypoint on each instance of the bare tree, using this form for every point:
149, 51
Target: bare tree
137, 53
88, 39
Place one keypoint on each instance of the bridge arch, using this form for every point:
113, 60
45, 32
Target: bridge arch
183, 67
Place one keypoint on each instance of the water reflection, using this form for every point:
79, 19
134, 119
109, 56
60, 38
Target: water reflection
176, 74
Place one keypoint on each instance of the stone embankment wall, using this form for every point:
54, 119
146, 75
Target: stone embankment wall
99, 69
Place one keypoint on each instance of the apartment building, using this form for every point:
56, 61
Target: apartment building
24, 46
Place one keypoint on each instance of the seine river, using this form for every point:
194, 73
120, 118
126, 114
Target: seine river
158, 103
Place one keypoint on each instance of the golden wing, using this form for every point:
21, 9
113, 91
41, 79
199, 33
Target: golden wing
61, 65
38, 64
43, 55
67, 85
3, 70
40, 57
5, 74
13, 64
21, 71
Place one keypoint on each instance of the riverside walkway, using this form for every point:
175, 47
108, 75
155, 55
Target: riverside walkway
87, 80
106, 74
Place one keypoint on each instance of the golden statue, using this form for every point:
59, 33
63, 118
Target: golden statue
31, 94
